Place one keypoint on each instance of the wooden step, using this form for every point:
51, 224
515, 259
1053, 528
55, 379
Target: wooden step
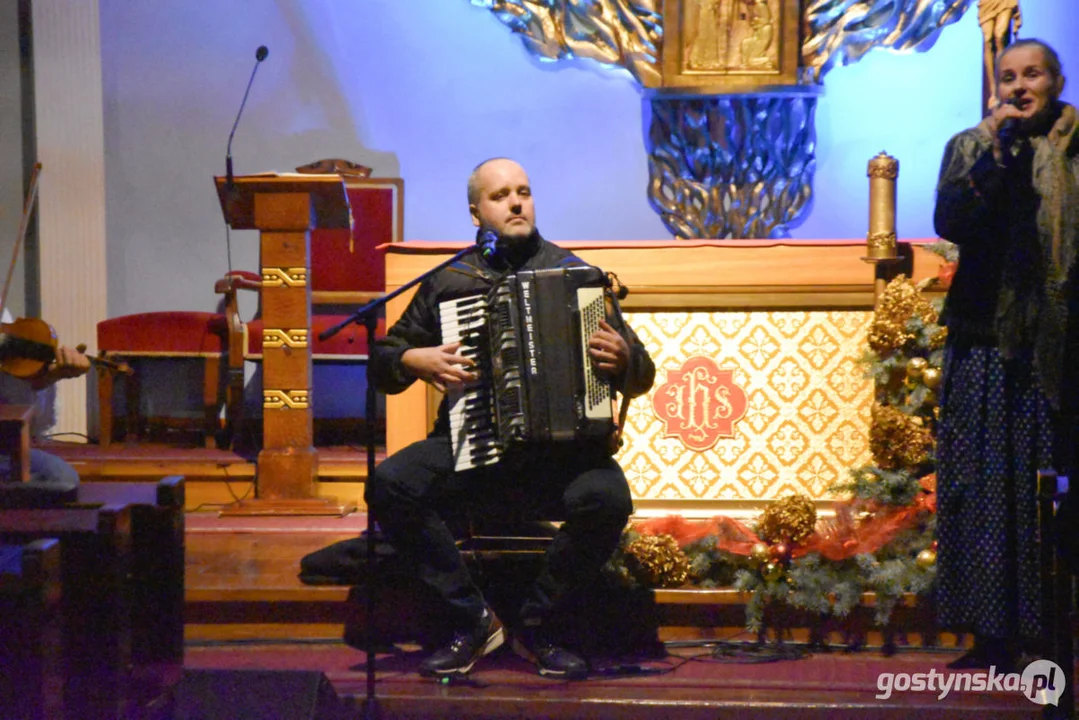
243, 580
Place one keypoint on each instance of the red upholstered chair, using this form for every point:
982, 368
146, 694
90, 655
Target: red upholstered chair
346, 272
160, 335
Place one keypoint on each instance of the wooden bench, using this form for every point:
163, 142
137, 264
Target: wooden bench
15, 438
156, 598
15, 491
31, 684
96, 621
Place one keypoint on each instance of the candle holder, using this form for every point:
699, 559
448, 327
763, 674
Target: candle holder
883, 170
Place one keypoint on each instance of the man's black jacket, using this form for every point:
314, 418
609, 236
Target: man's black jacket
419, 326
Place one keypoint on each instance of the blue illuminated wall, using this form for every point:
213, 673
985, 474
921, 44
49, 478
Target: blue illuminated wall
424, 89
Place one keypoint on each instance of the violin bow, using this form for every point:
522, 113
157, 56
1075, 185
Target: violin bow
24, 224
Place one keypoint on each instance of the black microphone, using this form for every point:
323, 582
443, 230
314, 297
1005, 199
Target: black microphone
1009, 126
488, 242
260, 55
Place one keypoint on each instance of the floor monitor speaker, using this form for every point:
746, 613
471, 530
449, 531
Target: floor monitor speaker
262, 694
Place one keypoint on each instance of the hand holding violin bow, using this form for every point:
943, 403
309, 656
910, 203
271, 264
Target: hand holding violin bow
69, 363
29, 348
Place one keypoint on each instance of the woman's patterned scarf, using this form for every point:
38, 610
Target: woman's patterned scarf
1041, 314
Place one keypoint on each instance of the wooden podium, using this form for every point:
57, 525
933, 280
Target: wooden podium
284, 209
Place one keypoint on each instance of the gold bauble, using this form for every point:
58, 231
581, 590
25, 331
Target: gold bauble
898, 440
916, 366
790, 520
926, 558
759, 552
931, 377
930, 398
901, 301
657, 561
772, 571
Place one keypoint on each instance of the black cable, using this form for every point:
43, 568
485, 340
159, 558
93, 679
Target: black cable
758, 653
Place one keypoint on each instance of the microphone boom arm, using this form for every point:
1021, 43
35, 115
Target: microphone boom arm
368, 309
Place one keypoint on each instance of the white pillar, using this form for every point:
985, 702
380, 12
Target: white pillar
71, 203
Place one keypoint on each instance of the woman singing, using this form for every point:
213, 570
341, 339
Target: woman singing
1008, 197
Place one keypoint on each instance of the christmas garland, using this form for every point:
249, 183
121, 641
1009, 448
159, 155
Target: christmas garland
882, 536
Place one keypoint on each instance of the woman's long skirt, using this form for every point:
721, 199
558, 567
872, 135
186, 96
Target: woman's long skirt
996, 431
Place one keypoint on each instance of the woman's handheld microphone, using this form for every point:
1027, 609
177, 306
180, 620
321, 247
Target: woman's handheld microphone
1008, 130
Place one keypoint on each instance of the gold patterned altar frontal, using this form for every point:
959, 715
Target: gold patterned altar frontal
725, 46
807, 417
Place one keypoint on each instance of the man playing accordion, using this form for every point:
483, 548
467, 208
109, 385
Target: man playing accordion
416, 491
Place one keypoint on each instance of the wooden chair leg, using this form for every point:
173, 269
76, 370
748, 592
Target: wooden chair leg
210, 384
234, 406
134, 409
104, 407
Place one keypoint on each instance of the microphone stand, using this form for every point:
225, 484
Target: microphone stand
366, 316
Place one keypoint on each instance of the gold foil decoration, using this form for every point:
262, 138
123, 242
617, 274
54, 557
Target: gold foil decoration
290, 337
900, 301
286, 399
284, 277
657, 561
880, 242
897, 440
789, 519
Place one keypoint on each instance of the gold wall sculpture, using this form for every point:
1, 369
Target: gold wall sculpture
724, 46
843, 31
614, 32
714, 37
732, 88
807, 414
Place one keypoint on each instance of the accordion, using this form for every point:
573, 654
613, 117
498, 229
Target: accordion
529, 339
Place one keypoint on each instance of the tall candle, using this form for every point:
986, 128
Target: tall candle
883, 171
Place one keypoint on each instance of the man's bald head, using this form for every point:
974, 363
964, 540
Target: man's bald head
474, 178
500, 198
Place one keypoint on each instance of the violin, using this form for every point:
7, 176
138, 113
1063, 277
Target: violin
28, 345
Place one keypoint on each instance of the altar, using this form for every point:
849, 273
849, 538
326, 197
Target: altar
759, 389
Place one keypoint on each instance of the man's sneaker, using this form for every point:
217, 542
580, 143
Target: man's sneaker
551, 660
466, 648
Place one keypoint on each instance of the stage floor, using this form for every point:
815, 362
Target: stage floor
246, 609
249, 611
691, 682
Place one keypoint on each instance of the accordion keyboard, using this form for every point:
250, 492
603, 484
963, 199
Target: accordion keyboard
473, 435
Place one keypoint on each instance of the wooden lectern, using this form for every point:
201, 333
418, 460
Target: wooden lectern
284, 209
